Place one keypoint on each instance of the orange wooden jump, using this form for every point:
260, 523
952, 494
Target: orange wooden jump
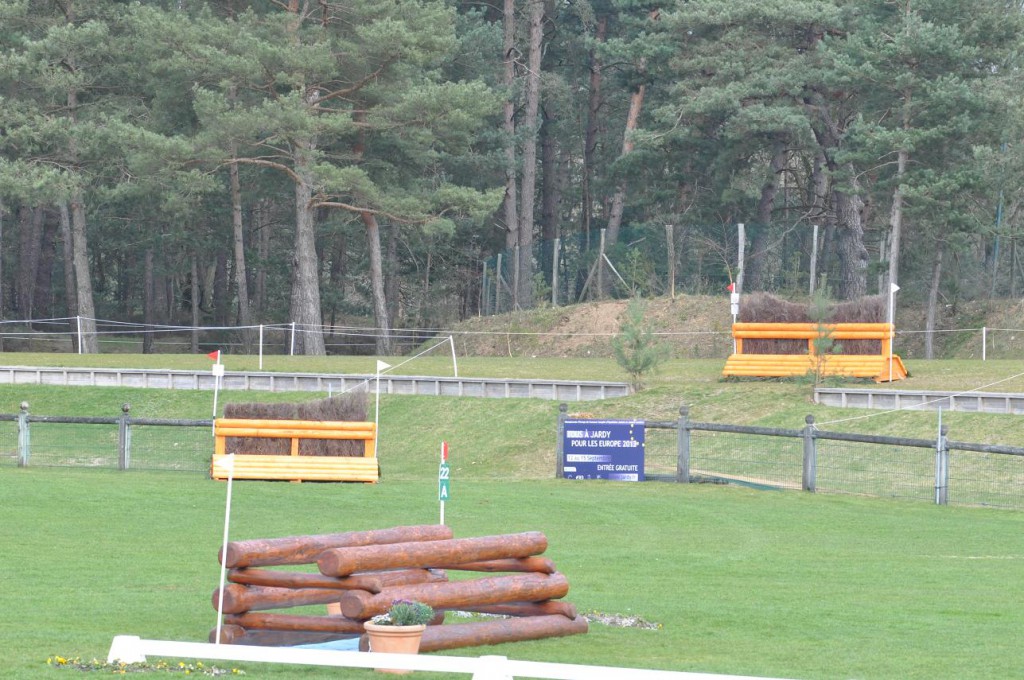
295, 467
881, 367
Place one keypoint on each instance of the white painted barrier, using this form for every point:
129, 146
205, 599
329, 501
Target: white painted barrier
132, 649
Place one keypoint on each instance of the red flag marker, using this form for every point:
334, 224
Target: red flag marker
215, 355
731, 287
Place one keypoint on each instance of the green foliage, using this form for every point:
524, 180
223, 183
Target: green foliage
636, 349
197, 668
820, 311
405, 613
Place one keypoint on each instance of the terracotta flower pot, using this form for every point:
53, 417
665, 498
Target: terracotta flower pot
394, 640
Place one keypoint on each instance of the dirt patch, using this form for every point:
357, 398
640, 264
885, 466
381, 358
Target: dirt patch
693, 326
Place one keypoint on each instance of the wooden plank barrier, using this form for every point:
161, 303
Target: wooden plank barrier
293, 550
294, 467
359, 604
458, 635
362, 573
345, 561
373, 583
881, 367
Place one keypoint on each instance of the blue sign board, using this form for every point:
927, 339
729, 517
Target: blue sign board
603, 449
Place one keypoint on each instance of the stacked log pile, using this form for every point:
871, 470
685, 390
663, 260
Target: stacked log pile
361, 573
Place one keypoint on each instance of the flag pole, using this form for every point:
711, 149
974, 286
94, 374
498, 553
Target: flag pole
444, 459
892, 323
224, 547
218, 371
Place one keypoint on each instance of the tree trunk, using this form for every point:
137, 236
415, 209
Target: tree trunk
148, 293
853, 256
636, 102
593, 127
759, 269
194, 300
262, 225
846, 204
380, 306
933, 301
221, 290
42, 291
241, 274
896, 220
391, 274
30, 227
531, 127
70, 296
83, 283
337, 275
511, 201
549, 192
305, 299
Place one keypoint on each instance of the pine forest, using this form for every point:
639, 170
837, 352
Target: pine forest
405, 164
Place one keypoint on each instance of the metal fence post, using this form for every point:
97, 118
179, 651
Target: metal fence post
942, 467
683, 446
810, 455
123, 439
23, 438
563, 410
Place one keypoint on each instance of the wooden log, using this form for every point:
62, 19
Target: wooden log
457, 635
373, 582
323, 624
536, 563
545, 608
306, 549
345, 561
239, 598
359, 604
236, 635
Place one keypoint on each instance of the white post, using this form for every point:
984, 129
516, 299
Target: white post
224, 546
742, 241
440, 476
892, 323
79, 320
218, 371
455, 362
261, 347
984, 342
376, 410
291, 349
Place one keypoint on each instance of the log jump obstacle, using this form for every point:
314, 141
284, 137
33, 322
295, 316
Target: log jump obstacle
361, 573
881, 367
293, 466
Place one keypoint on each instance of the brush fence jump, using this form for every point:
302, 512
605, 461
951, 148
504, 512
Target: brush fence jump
293, 467
359, 574
881, 367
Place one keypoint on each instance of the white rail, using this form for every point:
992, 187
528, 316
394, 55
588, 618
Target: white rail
132, 649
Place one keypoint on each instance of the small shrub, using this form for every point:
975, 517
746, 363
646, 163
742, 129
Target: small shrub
636, 349
405, 613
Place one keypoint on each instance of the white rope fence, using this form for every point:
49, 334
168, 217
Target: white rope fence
283, 335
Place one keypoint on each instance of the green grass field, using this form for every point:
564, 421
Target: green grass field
744, 582
782, 584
